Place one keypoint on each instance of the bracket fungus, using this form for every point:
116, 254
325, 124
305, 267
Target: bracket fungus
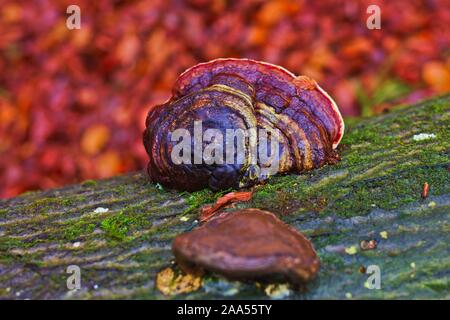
247, 244
300, 121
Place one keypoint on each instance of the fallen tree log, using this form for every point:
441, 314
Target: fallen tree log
374, 193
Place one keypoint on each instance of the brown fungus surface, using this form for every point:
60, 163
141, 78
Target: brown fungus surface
241, 94
248, 244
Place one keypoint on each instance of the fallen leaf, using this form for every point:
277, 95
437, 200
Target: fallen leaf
437, 75
208, 211
108, 164
83, 76
170, 284
277, 291
94, 139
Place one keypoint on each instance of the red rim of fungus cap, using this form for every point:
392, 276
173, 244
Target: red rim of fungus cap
186, 77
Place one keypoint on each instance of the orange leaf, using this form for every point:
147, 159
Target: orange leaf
94, 139
437, 75
108, 164
208, 211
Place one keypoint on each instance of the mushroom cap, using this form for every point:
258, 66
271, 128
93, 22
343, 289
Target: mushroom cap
196, 76
300, 124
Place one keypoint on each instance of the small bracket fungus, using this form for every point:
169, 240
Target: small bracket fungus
247, 244
219, 113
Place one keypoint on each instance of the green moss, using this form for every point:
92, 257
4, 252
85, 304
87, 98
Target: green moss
29, 193
366, 135
31, 260
198, 198
130, 218
439, 285
134, 209
345, 198
331, 261
89, 183
66, 202
42, 205
75, 230
438, 106
117, 226
7, 243
120, 190
379, 170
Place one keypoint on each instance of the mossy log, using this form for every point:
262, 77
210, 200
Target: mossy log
373, 193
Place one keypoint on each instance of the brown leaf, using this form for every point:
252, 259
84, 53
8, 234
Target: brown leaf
437, 75
170, 284
94, 139
208, 211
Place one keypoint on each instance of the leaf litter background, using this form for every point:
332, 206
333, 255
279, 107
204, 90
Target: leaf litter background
73, 102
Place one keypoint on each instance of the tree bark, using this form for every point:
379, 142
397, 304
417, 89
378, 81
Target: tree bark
373, 193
